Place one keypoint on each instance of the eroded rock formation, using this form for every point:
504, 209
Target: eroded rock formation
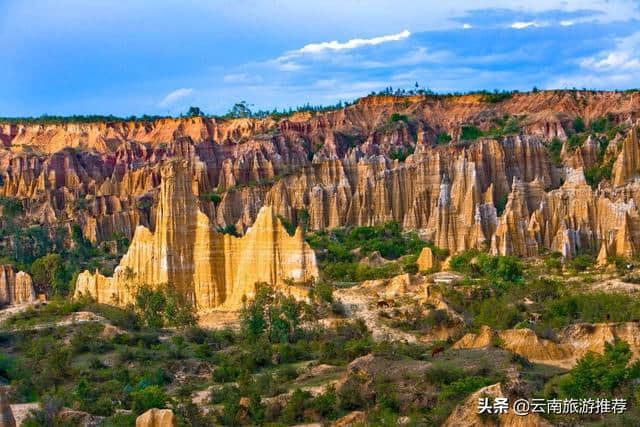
211, 268
15, 288
571, 344
157, 418
467, 413
352, 166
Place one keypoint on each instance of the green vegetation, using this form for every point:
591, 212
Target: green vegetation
501, 204
443, 138
499, 269
397, 117
229, 229
164, 306
599, 375
578, 125
470, 133
401, 154
598, 172
502, 126
590, 307
340, 250
555, 150
576, 141
496, 97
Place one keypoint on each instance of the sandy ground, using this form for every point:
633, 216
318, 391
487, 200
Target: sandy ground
21, 410
357, 306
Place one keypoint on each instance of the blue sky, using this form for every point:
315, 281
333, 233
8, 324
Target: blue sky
161, 56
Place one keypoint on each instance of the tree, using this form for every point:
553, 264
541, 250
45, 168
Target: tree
152, 304
240, 110
194, 112
49, 271
600, 373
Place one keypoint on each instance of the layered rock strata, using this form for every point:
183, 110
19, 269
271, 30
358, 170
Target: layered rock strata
342, 167
210, 268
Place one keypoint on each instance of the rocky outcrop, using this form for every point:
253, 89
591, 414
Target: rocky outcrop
627, 164
15, 288
6, 415
426, 261
157, 418
572, 342
466, 414
211, 268
342, 167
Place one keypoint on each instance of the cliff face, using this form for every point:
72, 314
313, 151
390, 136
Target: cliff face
211, 268
15, 288
352, 166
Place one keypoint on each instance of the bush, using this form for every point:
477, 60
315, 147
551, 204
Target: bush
470, 133
592, 308
294, 411
443, 138
325, 404
555, 149
578, 125
461, 388
599, 373
582, 262
496, 313
441, 373
148, 398
397, 117
164, 306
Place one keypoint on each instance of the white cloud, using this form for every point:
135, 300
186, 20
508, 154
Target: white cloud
175, 96
567, 23
519, 25
467, 26
288, 66
349, 44
616, 67
623, 58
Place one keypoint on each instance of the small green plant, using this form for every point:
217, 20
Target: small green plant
443, 138
397, 117
470, 133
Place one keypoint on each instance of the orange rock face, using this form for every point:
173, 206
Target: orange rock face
211, 268
351, 166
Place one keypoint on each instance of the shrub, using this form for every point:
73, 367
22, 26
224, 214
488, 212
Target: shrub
459, 389
555, 149
215, 198
582, 262
148, 398
496, 313
443, 373
496, 97
229, 228
598, 373
501, 203
325, 404
294, 411
443, 138
578, 125
397, 117
470, 133
592, 308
